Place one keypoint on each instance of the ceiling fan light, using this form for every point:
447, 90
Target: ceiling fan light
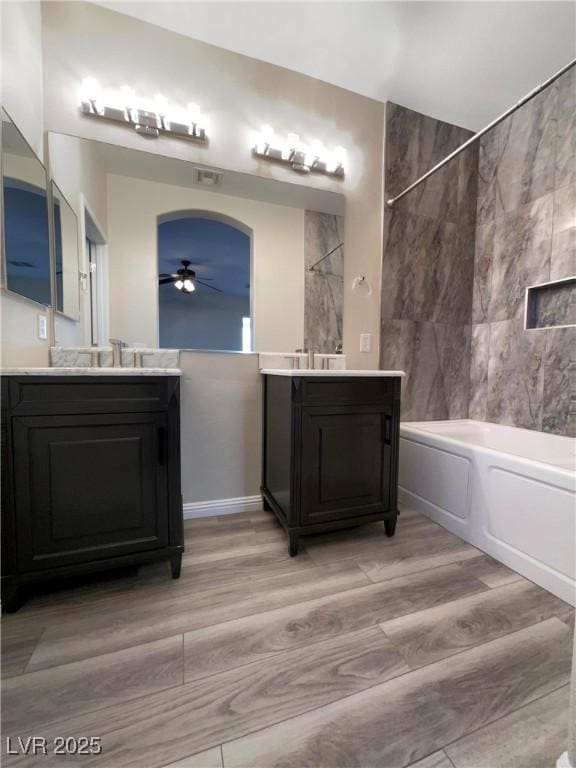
189, 286
179, 284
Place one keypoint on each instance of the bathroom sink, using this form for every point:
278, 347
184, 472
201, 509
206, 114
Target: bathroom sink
342, 373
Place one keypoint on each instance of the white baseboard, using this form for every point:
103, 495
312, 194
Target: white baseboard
222, 507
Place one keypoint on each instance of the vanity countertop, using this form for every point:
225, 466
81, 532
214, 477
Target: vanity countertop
90, 371
342, 373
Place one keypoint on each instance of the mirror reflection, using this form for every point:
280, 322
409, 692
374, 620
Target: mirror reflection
65, 255
25, 217
190, 257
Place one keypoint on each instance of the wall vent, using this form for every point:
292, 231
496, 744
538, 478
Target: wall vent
208, 177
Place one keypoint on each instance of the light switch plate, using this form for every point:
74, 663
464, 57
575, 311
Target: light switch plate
42, 327
365, 342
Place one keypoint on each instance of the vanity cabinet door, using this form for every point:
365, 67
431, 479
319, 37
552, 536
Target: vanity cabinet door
89, 487
345, 462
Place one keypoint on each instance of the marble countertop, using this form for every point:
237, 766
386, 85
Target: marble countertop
90, 372
342, 373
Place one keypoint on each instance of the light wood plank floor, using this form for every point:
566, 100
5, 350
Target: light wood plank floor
363, 651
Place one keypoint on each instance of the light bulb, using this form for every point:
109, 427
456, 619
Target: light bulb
90, 90
189, 286
267, 133
128, 96
340, 156
264, 140
160, 104
309, 155
317, 149
179, 284
193, 113
335, 159
289, 145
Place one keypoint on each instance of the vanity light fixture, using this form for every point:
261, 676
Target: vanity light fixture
148, 117
302, 157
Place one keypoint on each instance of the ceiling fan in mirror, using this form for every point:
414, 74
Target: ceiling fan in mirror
185, 279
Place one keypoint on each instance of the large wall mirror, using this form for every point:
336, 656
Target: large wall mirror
190, 257
26, 246
66, 258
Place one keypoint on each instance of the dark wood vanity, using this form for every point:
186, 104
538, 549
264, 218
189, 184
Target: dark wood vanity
90, 476
330, 451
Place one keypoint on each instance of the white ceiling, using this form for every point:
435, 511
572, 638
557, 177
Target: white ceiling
463, 62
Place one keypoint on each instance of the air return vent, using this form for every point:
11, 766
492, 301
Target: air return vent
208, 177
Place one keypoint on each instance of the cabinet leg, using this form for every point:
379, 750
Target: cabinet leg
176, 565
265, 505
293, 542
390, 526
12, 597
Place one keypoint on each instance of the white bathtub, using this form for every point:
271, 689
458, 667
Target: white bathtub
508, 491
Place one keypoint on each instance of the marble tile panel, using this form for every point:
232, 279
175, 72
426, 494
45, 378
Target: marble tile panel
427, 269
522, 244
563, 256
79, 357
515, 375
526, 167
517, 158
448, 259
453, 345
414, 144
401, 268
467, 185
566, 130
559, 385
484, 254
438, 196
488, 158
401, 156
479, 356
436, 358
324, 287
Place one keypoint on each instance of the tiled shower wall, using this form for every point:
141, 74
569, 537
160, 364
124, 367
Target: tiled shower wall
526, 234
324, 287
428, 265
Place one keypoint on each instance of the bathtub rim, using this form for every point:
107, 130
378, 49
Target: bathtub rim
413, 430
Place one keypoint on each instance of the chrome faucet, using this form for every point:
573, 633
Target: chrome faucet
117, 345
311, 357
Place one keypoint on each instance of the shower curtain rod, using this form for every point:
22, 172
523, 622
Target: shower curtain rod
481, 133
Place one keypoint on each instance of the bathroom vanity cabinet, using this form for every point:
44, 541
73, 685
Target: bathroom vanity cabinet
90, 476
330, 450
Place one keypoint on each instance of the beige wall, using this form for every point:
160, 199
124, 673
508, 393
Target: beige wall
221, 417
239, 95
22, 98
134, 206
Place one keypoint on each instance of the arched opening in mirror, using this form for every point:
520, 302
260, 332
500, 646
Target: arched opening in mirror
204, 282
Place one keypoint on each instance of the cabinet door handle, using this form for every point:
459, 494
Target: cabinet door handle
161, 445
387, 429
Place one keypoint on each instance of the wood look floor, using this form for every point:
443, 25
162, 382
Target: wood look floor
361, 652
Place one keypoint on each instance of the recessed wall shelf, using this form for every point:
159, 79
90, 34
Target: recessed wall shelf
551, 305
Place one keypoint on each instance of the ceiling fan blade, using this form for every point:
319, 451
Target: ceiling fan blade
201, 282
165, 280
